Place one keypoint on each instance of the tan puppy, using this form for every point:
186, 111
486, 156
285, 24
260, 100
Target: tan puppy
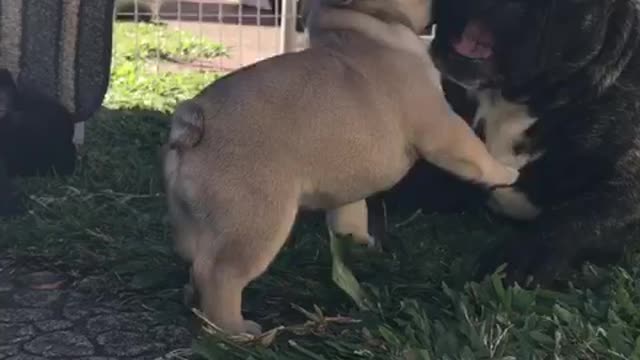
322, 129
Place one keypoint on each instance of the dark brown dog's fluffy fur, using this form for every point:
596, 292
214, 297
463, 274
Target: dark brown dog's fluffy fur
36, 133
36, 138
574, 65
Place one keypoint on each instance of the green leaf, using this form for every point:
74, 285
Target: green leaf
541, 338
635, 355
343, 276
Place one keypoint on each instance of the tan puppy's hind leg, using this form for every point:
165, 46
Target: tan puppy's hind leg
247, 237
351, 219
220, 286
457, 149
186, 234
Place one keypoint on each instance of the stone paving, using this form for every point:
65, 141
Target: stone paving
45, 316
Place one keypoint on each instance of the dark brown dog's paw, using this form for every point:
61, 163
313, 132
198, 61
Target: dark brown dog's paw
188, 296
528, 264
11, 204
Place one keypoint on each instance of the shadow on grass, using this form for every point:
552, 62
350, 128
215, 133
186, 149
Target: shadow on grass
109, 216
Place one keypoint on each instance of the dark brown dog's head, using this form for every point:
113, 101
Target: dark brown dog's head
518, 45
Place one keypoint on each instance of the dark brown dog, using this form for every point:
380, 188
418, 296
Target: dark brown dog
36, 133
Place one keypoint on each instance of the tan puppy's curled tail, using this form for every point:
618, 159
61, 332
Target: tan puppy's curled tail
187, 126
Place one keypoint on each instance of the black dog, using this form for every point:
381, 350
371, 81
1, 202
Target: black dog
10, 204
36, 138
36, 133
557, 88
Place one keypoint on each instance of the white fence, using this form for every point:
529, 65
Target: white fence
251, 30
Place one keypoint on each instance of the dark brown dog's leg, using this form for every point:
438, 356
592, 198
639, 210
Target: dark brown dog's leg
426, 188
9, 199
601, 223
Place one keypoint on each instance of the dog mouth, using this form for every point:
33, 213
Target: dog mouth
476, 42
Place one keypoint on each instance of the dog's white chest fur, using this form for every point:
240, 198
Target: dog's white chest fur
505, 125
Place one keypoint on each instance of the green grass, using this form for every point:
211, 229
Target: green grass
109, 219
142, 51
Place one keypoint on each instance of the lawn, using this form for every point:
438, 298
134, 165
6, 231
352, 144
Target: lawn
110, 219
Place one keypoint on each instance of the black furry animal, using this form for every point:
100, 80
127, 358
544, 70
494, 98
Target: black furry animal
36, 133
556, 91
10, 204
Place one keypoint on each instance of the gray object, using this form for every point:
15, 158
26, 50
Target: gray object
60, 49
143, 10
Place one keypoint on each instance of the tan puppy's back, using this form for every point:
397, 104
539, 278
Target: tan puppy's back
338, 108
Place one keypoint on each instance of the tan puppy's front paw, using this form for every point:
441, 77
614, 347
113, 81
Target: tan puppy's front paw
371, 242
364, 240
252, 328
508, 176
512, 175
351, 220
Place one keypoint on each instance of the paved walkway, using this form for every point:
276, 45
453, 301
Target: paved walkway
44, 316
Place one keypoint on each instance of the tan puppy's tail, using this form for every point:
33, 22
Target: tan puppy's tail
187, 126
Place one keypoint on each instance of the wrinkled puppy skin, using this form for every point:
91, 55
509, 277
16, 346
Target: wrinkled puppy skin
557, 84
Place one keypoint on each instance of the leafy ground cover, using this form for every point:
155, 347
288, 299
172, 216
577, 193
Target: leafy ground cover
110, 218
142, 53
